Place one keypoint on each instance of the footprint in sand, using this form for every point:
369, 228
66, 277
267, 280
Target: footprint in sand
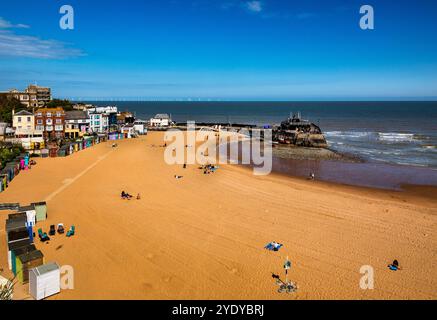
150, 256
147, 286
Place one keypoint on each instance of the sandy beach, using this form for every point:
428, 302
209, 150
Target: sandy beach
203, 236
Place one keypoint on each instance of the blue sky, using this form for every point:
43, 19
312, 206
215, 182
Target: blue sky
223, 49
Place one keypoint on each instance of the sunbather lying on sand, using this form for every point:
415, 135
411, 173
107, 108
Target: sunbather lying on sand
125, 195
178, 177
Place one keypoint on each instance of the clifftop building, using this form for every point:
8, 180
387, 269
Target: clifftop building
33, 96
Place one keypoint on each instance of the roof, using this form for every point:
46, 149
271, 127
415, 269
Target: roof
39, 203
24, 249
57, 109
18, 215
75, 115
49, 267
30, 256
18, 244
23, 113
161, 116
26, 208
14, 224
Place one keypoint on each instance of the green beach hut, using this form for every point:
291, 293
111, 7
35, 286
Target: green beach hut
41, 211
18, 252
27, 261
15, 245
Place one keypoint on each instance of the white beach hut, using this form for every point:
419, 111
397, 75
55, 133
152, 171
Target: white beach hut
30, 213
44, 281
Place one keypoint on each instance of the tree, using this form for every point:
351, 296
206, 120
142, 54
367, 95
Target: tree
7, 290
65, 104
7, 104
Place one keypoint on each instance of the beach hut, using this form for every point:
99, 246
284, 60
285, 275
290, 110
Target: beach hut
13, 246
9, 171
27, 261
70, 148
16, 230
4, 181
18, 252
45, 153
113, 136
41, 211
53, 152
44, 281
26, 162
30, 213
62, 152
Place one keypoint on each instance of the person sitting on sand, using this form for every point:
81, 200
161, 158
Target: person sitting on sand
178, 177
138, 196
123, 195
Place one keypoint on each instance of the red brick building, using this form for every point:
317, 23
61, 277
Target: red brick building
51, 121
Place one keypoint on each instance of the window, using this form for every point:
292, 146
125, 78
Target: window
39, 114
49, 114
39, 128
19, 119
39, 121
28, 119
49, 128
59, 128
49, 121
58, 121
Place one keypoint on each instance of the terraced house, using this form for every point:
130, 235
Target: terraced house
77, 124
51, 121
25, 132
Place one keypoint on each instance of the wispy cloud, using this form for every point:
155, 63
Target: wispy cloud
4, 24
12, 44
254, 6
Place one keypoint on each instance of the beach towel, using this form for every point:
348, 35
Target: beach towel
273, 246
393, 267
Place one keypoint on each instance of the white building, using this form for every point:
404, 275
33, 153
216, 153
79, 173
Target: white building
160, 120
140, 127
106, 110
128, 130
98, 122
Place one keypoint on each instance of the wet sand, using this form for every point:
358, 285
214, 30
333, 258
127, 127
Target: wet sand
202, 237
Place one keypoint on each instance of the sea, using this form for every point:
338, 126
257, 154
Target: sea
397, 140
